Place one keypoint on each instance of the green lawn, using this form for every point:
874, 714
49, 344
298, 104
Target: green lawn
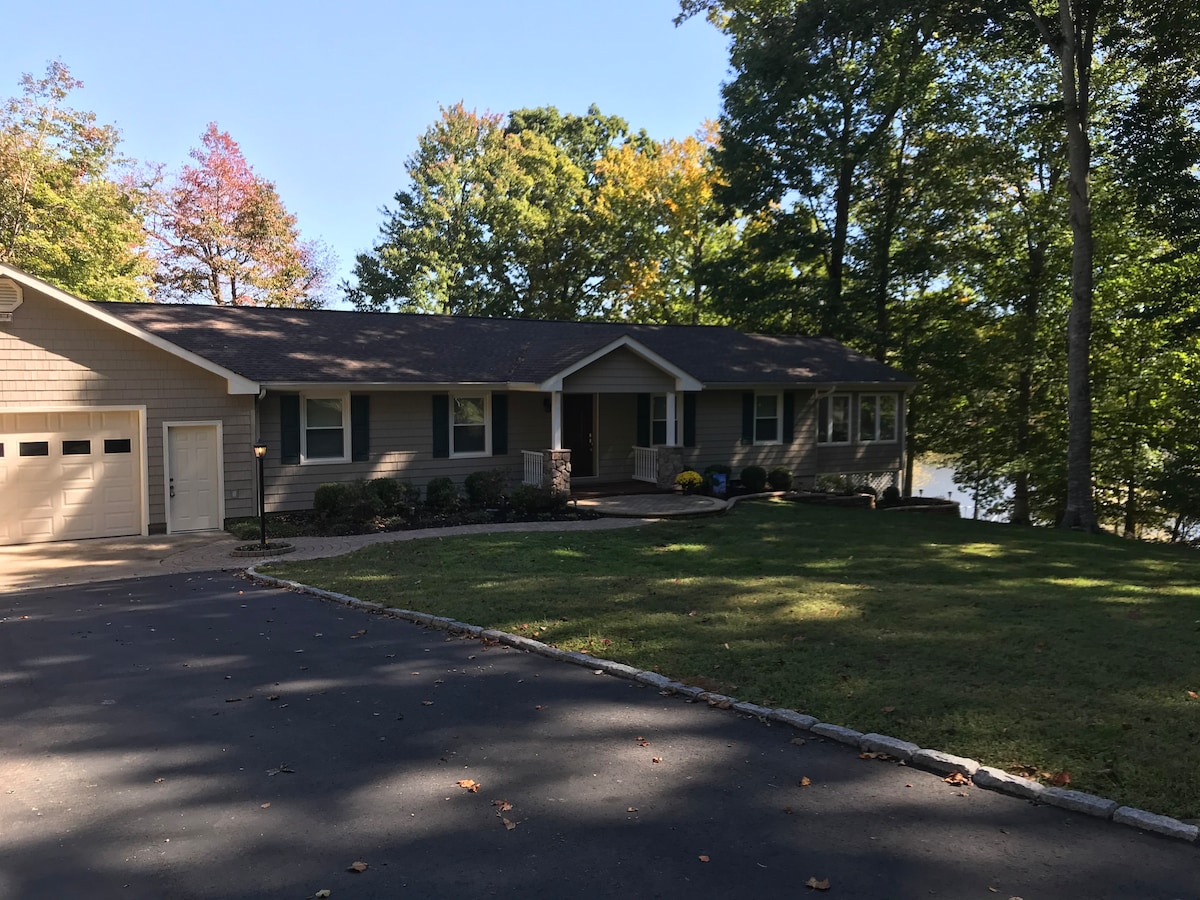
1030, 650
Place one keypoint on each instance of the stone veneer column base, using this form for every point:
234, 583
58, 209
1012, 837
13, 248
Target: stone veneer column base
670, 464
556, 471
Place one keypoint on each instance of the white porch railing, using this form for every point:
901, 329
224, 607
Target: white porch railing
534, 468
645, 464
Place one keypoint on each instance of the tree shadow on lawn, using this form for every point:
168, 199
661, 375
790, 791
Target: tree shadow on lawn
1024, 648
147, 717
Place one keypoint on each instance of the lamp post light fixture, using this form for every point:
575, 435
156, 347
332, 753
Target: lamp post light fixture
260, 452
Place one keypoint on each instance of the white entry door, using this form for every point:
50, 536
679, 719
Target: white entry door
193, 478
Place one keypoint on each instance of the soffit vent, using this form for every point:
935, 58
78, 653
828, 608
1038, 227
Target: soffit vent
10, 298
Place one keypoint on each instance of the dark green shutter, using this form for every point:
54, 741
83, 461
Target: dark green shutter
289, 428
643, 420
789, 416
499, 424
689, 420
360, 427
748, 417
441, 425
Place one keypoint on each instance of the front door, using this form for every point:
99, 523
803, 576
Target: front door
579, 433
193, 481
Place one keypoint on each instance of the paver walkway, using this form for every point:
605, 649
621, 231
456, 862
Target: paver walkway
104, 559
63, 563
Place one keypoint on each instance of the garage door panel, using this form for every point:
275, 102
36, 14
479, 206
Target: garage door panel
74, 491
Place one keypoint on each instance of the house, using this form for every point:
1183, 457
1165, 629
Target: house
123, 419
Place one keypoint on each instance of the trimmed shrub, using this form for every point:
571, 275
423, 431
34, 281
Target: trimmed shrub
345, 504
441, 495
333, 501
780, 478
891, 495
486, 489
529, 500
384, 493
754, 479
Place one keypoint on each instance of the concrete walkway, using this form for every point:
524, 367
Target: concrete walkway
30, 566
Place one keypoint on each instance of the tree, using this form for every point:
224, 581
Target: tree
545, 214
662, 197
223, 235
1149, 133
68, 213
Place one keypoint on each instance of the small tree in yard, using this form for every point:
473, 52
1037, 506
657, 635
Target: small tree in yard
223, 235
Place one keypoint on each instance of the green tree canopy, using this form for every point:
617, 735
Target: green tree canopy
69, 210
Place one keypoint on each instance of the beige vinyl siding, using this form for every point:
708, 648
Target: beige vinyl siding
719, 436
401, 447
53, 355
620, 372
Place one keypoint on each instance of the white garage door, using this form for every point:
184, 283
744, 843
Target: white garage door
69, 475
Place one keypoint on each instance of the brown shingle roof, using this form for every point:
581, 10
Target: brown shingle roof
343, 347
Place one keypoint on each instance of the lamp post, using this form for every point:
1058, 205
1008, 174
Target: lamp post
260, 452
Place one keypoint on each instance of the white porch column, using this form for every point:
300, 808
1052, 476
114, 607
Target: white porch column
672, 433
556, 420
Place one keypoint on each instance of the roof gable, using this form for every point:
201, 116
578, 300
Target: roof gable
237, 384
683, 381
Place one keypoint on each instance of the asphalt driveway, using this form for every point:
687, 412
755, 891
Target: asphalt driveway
199, 736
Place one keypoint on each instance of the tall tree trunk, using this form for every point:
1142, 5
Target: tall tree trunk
883, 254
831, 317
1074, 49
1031, 306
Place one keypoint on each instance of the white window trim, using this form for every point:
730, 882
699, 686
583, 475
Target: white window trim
665, 419
344, 397
876, 398
778, 439
487, 424
825, 439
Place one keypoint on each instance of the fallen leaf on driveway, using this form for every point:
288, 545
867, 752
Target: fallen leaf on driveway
872, 755
956, 778
427, 703
322, 894
631, 809
703, 858
805, 781
509, 824
469, 785
799, 742
359, 866
656, 759
817, 885
502, 805
159, 780
284, 768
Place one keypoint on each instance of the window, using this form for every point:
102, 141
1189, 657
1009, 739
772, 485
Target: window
117, 445
469, 425
877, 417
76, 448
33, 448
833, 420
324, 428
658, 419
766, 418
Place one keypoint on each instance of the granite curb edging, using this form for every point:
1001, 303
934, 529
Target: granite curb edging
904, 752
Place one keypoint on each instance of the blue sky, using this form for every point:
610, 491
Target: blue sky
327, 99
